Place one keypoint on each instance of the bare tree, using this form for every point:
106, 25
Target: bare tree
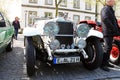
57, 3
2, 6
96, 5
96, 8
101, 1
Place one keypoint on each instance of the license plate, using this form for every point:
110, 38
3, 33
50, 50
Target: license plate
66, 60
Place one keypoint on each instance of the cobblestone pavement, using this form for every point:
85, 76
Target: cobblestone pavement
12, 67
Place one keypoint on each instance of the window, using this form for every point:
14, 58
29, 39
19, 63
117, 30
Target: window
2, 21
1, 18
76, 4
88, 5
87, 18
63, 3
76, 18
48, 2
48, 15
31, 16
33, 1
7, 22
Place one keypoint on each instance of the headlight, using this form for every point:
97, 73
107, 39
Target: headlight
51, 28
81, 44
55, 44
82, 30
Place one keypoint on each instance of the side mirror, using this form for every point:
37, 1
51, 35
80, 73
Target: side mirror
2, 23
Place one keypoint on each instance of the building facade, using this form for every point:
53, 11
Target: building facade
12, 8
76, 9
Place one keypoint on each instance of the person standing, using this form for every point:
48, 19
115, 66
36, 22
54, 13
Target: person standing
110, 29
16, 25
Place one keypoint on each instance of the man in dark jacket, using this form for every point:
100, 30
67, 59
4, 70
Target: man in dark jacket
16, 25
110, 29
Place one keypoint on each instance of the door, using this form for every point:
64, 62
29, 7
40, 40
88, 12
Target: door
6, 32
2, 31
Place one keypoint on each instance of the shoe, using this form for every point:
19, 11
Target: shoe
105, 68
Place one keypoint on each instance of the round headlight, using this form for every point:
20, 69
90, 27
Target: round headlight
81, 44
51, 28
82, 30
55, 44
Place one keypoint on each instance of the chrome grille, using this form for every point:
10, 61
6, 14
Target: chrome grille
65, 35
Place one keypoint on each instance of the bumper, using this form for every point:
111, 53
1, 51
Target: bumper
65, 50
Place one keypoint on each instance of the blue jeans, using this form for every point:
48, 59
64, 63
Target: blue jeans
16, 33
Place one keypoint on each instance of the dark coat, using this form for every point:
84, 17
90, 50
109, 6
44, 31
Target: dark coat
16, 24
109, 21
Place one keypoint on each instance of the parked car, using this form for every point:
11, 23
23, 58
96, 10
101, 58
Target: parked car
58, 41
115, 52
6, 34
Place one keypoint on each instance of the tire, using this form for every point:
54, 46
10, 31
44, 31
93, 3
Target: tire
115, 54
94, 51
10, 46
30, 56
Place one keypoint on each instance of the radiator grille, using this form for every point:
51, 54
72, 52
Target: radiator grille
65, 28
65, 35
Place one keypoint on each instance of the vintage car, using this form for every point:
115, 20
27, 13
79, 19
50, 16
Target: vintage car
115, 52
58, 41
6, 34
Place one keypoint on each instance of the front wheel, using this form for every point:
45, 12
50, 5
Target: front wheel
115, 54
30, 56
95, 54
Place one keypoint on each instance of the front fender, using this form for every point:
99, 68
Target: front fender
31, 31
95, 33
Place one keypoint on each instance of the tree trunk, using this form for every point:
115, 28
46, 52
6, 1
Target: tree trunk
56, 6
56, 13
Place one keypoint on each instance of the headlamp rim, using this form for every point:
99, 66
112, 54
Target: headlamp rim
53, 32
85, 27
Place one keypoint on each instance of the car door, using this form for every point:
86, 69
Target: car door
2, 31
6, 32
9, 31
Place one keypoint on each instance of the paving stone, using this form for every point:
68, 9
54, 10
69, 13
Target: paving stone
12, 67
